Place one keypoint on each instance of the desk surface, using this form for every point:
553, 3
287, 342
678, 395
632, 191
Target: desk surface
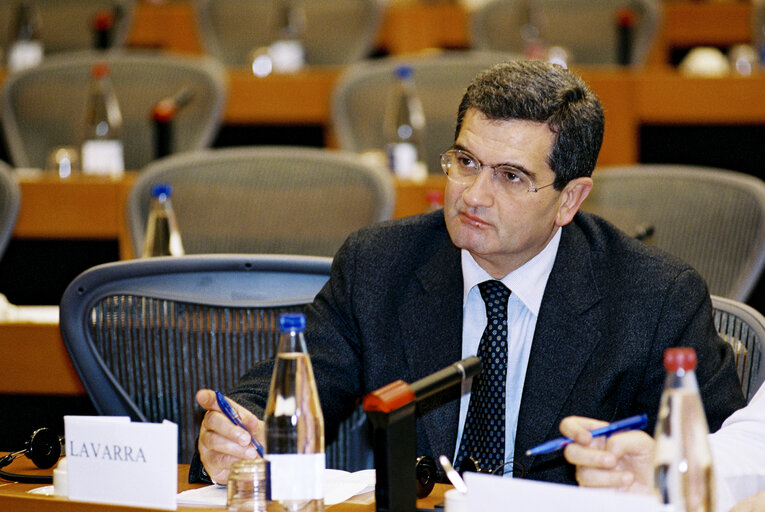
14, 497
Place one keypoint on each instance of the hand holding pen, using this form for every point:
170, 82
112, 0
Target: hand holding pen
631, 423
233, 417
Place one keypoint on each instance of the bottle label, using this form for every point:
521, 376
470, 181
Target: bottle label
287, 56
103, 157
297, 476
24, 54
402, 157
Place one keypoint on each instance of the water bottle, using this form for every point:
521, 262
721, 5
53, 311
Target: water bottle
404, 127
26, 49
287, 52
295, 424
683, 473
102, 151
162, 235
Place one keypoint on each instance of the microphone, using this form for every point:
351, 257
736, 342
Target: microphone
446, 378
168, 107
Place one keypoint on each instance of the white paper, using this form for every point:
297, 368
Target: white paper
103, 157
489, 492
111, 460
339, 486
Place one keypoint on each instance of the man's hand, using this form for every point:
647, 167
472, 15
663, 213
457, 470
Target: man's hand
754, 503
221, 443
622, 461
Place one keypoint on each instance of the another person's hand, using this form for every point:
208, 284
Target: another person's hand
221, 443
622, 461
754, 503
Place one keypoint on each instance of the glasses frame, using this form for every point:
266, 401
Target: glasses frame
446, 163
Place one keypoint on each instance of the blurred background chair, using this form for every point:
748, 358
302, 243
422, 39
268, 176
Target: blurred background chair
145, 335
758, 25
10, 200
714, 219
360, 97
44, 107
336, 31
744, 328
288, 200
68, 25
587, 29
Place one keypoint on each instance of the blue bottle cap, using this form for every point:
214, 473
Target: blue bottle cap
292, 322
161, 189
403, 71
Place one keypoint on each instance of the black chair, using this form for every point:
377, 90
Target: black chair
144, 335
744, 328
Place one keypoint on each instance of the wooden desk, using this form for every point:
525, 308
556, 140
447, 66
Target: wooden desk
14, 497
92, 207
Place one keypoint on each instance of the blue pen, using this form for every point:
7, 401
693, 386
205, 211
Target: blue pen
234, 418
631, 423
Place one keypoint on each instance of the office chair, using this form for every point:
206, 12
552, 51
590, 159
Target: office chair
10, 201
744, 328
359, 98
67, 25
714, 219
586, 28
144, 335
261, 199
337, 32
758, 25
44, 107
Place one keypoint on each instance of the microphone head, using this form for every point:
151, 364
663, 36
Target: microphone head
44, 448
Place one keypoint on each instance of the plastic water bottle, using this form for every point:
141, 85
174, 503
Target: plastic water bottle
295, 424
162, 235
404, 127
102, 147
26, 49
683, 473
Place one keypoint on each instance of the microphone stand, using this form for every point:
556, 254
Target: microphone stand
390, 410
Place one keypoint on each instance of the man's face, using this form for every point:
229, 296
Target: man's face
503, 231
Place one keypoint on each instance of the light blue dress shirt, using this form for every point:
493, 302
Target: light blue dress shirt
527, 284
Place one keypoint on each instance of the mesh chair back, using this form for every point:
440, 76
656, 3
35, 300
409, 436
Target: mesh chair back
145, 335
586, 28
10, 200
713, 219
337, 32
288, 200
744, 328
361, 94
758, 24
44, 107
67, 25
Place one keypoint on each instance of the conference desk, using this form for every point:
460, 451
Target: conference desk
15, 497
93, 207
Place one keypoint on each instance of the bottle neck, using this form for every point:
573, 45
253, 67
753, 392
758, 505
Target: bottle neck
681, 379
292, 342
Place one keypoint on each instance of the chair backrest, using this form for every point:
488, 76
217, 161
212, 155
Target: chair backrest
262, 199
145, 335
714, 219
337, 32
10, 200
360, 96
67, 25
44, 107
588, 29
744, 328
758, 25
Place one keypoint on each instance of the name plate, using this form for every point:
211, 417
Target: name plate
113, 460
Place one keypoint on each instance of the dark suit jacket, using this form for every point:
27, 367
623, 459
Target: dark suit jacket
392, 309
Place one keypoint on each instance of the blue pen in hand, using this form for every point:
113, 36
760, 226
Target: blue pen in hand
234, 418
631, 423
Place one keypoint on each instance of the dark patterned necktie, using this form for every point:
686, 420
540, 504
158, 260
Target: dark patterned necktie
483, 437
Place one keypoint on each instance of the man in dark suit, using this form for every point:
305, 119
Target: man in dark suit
589, 311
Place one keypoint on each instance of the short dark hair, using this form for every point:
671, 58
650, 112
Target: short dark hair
536, 90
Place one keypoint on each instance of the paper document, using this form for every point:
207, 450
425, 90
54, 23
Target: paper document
339, 486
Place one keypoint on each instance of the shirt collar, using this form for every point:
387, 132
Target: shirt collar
527, 282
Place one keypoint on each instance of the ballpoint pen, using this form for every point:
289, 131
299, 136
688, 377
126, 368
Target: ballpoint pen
234, 418
631, 423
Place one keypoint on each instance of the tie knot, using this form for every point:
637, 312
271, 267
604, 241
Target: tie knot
494, 293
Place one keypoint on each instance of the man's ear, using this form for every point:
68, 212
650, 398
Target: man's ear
571, 198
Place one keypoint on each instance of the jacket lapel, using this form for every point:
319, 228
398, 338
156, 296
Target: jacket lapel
565, 335
431, 330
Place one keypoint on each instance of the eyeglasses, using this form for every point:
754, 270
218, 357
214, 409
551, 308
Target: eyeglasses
463, 168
